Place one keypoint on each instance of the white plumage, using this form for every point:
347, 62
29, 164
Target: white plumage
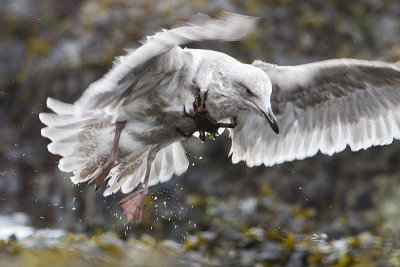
321, 106
143, 86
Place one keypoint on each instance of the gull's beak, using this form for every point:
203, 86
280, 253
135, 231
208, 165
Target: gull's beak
271, 120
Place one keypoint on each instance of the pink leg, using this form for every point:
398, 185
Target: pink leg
133, 203
105, 169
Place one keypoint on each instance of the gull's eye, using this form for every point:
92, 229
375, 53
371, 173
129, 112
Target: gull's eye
247, 89
249, 92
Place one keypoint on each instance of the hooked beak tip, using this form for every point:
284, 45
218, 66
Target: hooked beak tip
272, 121
274, 126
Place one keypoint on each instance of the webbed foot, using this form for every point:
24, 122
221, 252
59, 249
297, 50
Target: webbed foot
133, 205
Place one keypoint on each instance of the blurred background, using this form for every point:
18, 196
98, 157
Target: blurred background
56, 49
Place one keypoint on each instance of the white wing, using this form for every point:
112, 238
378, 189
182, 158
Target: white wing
145, 67
322, 106
82, 133
83, 144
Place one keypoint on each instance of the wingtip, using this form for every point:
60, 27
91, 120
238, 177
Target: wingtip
49, 101
44, 131
245, 23
42, 118
60, 107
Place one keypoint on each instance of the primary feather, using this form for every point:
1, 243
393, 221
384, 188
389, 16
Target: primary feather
323, 106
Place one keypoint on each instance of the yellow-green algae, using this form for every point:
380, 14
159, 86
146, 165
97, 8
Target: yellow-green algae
202, 249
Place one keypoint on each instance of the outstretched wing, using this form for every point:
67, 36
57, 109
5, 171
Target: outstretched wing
153, 62
82, 132
322, 106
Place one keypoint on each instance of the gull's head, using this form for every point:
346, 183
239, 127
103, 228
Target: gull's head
251, 90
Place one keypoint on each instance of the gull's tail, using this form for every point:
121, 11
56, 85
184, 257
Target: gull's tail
85, 142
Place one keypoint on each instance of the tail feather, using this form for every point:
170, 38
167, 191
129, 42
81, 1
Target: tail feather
87, 170
181, 162
169, 161
127, 171
69, 164
61, 149
66, 121
55, 120
85, 143
166, 167
128, 183
61, 108
57, 134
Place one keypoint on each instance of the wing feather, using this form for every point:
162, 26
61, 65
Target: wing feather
82, 133
159, 55
169, 161
323, 106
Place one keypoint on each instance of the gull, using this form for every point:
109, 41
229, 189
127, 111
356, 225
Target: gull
126, 128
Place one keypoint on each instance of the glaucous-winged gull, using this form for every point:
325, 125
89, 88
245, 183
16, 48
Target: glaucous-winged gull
127, 126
